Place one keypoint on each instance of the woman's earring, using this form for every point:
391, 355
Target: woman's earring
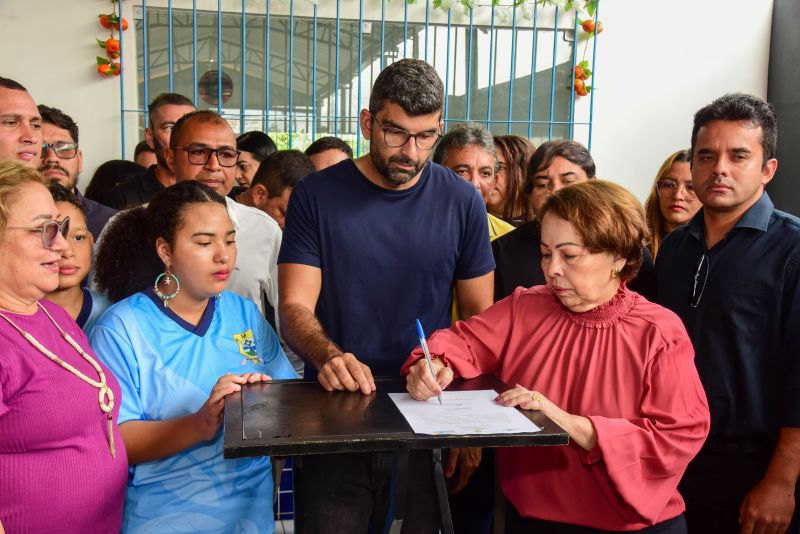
615, 272
168, 277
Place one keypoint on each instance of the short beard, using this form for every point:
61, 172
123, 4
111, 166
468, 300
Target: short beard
394, 176
159, 151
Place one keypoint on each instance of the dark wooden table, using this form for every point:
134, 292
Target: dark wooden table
295, 418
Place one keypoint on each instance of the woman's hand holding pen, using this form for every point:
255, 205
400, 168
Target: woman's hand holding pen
422, 385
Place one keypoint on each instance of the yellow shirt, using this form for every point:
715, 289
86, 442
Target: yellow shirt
497, 228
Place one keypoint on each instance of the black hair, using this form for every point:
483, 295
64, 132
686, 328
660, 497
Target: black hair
410, 83
108, 176
56, 117
462, 135
8, 83
282, 169
127, 261
257, 143
571, 151
742, 107
141, 147
329, 143
167, 99
202, 116
62, 194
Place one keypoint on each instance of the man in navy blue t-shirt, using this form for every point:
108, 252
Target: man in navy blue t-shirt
370, 245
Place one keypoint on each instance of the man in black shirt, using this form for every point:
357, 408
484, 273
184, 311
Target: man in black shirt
62, 162
163, 112
732, 274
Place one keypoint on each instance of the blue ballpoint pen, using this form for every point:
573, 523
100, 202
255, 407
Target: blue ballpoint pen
424, 344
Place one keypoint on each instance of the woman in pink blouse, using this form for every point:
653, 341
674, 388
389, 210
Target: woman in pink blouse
611, 368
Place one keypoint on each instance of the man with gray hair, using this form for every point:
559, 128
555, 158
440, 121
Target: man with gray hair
358, 264
468, 150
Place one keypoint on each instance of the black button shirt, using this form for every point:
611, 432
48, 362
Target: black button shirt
745, 327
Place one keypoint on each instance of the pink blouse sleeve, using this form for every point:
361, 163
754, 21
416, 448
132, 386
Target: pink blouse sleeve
472, 347
642, 460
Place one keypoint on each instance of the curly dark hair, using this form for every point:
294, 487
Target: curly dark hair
127, 261
62, 194
412, 84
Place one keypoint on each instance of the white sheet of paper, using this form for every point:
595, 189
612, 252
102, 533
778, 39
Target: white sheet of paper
462, 412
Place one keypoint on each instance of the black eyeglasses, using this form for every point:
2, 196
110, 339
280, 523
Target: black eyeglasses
49, 230
200, 155
671, 187
62, 150
397, 137
697, 286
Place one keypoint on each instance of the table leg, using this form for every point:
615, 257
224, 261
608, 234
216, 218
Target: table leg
400, 490
441, 492
297, 486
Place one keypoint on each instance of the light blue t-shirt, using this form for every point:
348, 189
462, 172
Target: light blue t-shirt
167, 368
94, 304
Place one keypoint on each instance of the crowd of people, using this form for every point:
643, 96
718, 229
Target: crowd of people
660, 338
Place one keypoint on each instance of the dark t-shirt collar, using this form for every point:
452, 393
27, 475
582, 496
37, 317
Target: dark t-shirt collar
205, 321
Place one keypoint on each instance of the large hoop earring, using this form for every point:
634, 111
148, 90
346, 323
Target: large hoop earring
168, 277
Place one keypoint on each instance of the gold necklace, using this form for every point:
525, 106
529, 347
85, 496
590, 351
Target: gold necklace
106, 396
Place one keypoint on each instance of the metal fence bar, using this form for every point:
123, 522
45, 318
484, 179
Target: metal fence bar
194, 52
360, 49
492, 64
146, 61
405, 28
266, 68
291, 69
594, 77
572, 78
219, 56
553, 75
169, 43
469, 68
336, 81
383, 33
314, 81
244, 69
513, 66
121, 88
447, 66
533, 69
427, 17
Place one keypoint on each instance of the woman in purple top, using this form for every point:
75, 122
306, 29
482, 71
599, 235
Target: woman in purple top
63, 466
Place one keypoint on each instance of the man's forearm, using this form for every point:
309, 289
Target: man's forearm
785, 463
304, 334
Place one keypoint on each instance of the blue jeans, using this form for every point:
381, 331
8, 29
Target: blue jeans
353, 493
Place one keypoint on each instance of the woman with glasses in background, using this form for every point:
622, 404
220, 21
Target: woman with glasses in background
63, 464
672, 202
507, 199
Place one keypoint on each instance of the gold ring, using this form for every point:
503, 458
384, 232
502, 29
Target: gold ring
536, 397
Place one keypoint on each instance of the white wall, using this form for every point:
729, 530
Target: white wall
659, 62
49, 47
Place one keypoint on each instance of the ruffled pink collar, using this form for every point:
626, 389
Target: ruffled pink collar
608, 314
